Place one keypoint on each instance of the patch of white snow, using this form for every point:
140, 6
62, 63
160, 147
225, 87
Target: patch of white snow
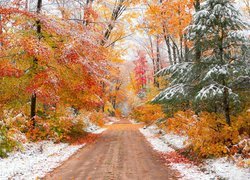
228, 170
156, 143
36, 160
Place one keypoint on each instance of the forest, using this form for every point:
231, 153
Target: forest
143, 88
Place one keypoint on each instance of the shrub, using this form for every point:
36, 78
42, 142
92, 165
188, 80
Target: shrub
57, 129
147, 113
209, 135
97, 118
7, 142
181, 122
118, 113
10, 136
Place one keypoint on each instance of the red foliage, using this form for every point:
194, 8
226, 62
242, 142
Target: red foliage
46, 85
175, 157
7, 70
141, 69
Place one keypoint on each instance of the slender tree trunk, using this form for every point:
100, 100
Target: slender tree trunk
158, 55
158, 63
197, 5
168, 49
197, 44
181, 49
226, 106
177, 52
181, 38
103, 90
87, 5
186, 49
35, 61
226, 99
174, 55
27, 4
154, 60
33, 108
1, 30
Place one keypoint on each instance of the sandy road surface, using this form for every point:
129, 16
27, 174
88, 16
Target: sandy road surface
121, 153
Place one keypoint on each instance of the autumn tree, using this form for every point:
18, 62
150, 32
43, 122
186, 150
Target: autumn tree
212, 80
58, 65
141, 71
169, 19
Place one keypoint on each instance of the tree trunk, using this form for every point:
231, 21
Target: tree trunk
87, 5
158, 62
186, 49
169, 49
181, 38
226, 106
27, 4
33, 108
197, 5
197, 45
116, 13
174, 55
35, 61
1, 30
181, 49
103, 90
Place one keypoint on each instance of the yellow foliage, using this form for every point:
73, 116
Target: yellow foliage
181, 123
147, 113
97, 118
209, 135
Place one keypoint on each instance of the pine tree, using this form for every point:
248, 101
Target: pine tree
222, 65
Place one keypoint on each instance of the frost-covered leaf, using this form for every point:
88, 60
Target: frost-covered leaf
213, 91
171, 93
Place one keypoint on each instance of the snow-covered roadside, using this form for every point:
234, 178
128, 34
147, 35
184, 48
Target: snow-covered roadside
111, 120
36, 160
227, 170
134, 121
212, 169
92, 128
109, 123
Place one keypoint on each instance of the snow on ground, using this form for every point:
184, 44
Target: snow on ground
228, 170
191, 172
156, 142
35, 160
109, 123
175, 140
113, 119
134, 121
99, 131
92, 128
212, 169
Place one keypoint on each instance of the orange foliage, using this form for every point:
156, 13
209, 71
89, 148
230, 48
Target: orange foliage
181, 122
208, 133
58, 129
97, 118
7, 70
170, 17
147, 113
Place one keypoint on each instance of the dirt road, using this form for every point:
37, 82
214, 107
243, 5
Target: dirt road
121, 153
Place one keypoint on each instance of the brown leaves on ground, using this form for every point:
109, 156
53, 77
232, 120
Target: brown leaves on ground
87, 139
175, 157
